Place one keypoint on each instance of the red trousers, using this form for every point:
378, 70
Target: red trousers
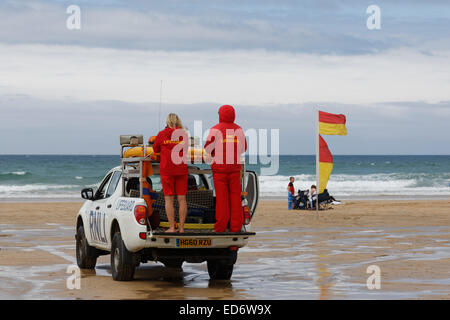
228, 201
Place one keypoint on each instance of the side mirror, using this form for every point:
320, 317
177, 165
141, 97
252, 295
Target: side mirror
87, 194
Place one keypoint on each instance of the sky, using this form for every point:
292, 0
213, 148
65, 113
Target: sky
68, 91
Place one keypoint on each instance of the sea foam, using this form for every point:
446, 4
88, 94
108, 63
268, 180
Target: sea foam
360, 185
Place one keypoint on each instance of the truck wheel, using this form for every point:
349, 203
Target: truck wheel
122, 260
220, 269
86, 255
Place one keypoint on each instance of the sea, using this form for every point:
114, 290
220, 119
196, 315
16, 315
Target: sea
61, 177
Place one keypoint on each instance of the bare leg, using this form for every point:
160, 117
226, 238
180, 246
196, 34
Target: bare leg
182, 211
170, 211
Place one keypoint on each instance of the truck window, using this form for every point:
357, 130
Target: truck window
113, 184
211, 181
132, 186
156, 183
195, 182
252, 190
100, 194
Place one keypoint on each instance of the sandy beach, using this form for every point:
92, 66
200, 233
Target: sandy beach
295, 255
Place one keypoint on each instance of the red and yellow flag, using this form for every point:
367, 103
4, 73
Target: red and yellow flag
330, 123
325, 164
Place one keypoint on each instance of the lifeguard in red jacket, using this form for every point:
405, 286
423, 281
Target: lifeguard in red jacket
172, 144
226, 143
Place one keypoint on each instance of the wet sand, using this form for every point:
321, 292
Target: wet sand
295, 255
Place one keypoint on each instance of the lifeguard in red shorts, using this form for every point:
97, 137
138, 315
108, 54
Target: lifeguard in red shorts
226, 143
172, 144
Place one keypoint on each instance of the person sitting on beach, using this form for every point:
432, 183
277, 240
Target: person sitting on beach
291, 192
312, 197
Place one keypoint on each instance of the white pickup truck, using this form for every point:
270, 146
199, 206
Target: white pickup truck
115, 220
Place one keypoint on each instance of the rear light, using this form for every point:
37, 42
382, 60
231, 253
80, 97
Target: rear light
233, 248
247, 215
140, 213
143, 235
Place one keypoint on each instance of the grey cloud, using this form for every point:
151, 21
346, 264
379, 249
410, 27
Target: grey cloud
307, 26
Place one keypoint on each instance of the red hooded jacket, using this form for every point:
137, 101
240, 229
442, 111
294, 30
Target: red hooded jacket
164, 144
226, 142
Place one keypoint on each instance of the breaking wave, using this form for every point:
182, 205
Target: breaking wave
363, 185
39, 191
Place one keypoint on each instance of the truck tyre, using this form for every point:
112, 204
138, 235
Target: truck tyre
86, 255
122, 261
220, 269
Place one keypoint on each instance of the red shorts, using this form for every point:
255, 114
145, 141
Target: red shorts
174, 185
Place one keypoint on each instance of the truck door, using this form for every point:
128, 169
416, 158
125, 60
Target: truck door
110, 198
97, 213
252, 189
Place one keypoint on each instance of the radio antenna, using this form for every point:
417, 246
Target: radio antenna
159, 112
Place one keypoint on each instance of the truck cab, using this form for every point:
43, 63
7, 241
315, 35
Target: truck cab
125, 217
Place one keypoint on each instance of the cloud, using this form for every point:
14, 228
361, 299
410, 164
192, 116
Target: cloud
322, 27
276, 61
243, 77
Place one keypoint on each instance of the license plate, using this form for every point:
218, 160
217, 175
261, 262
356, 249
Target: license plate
194, 243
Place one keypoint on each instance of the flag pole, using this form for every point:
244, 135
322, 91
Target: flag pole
159, 109
317, 162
